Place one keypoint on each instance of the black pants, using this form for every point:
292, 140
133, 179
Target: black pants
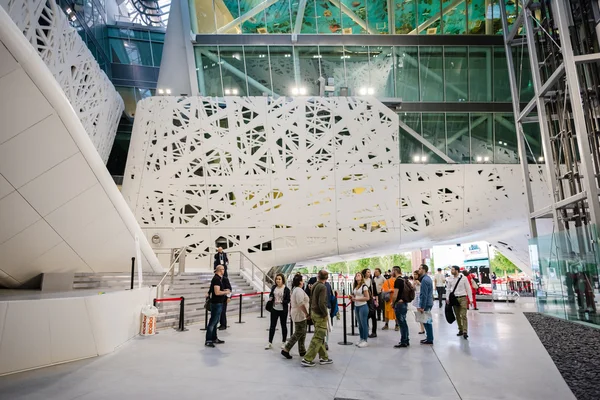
282, 316
440, 292
223, 321
380, 307
373, 318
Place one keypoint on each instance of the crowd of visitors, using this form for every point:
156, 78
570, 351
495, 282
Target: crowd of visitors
376, 297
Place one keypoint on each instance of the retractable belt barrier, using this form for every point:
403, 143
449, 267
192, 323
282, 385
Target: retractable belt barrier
181, 327
345, 342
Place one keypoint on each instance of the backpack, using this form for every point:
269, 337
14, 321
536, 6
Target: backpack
408, 294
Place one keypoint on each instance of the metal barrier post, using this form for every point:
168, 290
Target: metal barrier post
262, 304
205, 320
345, 342
181, 316
352, 319
132, 271
240, 318
154, 303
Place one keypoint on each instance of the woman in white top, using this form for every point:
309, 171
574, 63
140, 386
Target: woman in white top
417, 285
300, 315
280, 296
360, 296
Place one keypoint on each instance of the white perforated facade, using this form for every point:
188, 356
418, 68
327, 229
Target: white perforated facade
88, 89
288, 180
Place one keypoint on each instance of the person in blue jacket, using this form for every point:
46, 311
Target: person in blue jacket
426, 301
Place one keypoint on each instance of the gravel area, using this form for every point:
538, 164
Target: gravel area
575, 350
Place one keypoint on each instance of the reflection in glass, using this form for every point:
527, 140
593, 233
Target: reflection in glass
358, 70
378, 16
354, 19
409, 146
480, 73
282, 69
501, 86
456, 73
505, 139
259, 73
533, 142
309, 21
482, 138
431, 73
209, 71
407, 73
434, 130
381, 70
458, 140
233, 70
278, 17
523, 73
332, 66
308, 58
429, 17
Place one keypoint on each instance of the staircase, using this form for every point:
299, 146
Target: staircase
192, 286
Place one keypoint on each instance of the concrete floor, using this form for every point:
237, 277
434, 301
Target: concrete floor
503, 359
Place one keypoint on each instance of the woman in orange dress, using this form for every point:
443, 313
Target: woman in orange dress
389, 314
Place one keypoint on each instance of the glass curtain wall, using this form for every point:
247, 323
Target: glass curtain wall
478, 138
409, 73
350, 17
135, 47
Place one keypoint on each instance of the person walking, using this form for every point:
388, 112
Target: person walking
474, 286
415, 302
218, 295
440, 285
299, 313
221, 259
318, 314
403, 295
360, 296
387, 292
378, 280
372, 302
458, 286
280, 296
426, 302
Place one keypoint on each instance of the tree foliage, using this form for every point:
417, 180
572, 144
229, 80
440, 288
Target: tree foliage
500, 264
351, 267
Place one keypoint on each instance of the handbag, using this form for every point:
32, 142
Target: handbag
449, 312
271, 302
452, 300
207, 302
371, 304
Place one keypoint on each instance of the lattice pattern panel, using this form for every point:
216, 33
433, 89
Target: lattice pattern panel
295, 179
88, 89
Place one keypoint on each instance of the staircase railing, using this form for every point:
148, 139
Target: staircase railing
253, 270
175, 259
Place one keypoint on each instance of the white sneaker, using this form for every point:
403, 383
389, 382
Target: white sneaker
268, 346
363, 344
359, 342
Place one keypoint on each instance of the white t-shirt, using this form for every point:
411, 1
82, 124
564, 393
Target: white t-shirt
440, 279
379, 280
278, 294
359, 292
299, 297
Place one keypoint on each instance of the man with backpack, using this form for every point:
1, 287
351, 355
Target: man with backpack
404, 293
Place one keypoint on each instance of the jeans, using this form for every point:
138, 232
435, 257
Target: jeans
428, 328
317, 344
223, 319
362, 315
215, 315
298, 336
440, 292
401, 309
282, 316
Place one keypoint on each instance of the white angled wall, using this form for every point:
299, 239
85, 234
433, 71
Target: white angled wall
43, 332
60, 211
316, 177
90, 92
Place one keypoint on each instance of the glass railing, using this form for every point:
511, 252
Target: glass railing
565, 273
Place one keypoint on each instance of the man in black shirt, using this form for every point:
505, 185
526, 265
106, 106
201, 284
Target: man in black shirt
221, 259
400, 307
218, 295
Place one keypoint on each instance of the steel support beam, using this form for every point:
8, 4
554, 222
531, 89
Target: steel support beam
516, 110
426, 143
559, 10
300, 17
549, 163
587, 58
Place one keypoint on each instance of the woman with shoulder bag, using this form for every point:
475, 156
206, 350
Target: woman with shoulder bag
415, 302
360, 297
372, 303
300, 315
280, 300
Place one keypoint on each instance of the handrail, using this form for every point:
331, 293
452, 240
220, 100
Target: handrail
264, 274
171, 270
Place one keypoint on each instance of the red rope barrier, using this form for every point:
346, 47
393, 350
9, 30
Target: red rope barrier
168, 299
248, 294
